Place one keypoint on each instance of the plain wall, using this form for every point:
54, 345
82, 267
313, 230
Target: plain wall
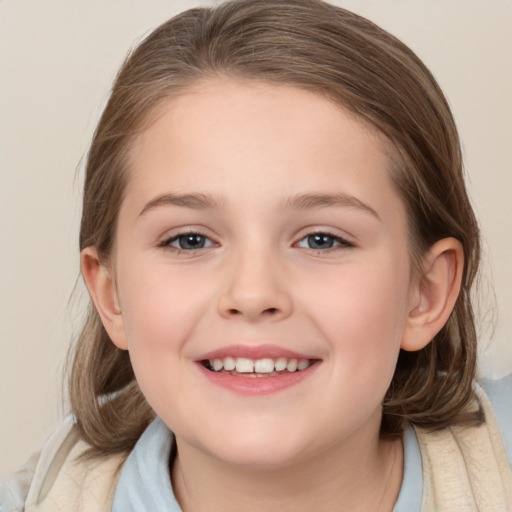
57, 61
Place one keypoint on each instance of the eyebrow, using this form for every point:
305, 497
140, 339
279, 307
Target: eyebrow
296, 202
312, 201
194, 201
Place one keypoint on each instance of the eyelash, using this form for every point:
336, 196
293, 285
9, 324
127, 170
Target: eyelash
167, 243
341, 242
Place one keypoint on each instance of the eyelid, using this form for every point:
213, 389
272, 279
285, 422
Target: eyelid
344, 243
166, 241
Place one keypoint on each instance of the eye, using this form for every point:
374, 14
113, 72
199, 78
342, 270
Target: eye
187, 242
322, 241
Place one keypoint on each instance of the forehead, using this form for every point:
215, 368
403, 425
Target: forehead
222, 136
239, 102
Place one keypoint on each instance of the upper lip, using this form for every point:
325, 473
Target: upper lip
254, 352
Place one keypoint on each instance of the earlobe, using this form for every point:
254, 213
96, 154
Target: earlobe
102, 290
435, 293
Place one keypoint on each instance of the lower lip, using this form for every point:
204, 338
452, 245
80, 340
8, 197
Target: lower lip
257, 385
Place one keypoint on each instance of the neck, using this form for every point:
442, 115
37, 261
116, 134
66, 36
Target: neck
363, 479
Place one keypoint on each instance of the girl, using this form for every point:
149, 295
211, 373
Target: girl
280, 250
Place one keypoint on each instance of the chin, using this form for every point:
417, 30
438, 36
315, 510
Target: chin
259, 458
270, 450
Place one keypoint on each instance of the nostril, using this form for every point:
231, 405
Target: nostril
268, 311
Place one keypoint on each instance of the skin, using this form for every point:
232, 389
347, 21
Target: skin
252, 148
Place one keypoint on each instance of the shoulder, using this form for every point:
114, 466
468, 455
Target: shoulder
499, 393
28, 478
14, 490
466, 467
57, 444
63, 480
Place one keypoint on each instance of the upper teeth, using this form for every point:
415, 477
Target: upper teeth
266, 365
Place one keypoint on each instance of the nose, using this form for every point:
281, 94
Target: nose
256, 288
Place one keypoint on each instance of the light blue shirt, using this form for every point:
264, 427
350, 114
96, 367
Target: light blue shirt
145, 481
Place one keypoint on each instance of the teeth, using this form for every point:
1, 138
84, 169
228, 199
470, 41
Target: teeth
244, 365
229, 363
292, 365
266, 365
303, 364
280, 364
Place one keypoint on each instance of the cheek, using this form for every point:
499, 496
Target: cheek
367, 296
152, 311
149, 313
156, 322
363, 315
158, 305
162, 309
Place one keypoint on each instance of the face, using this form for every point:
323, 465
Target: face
262, 273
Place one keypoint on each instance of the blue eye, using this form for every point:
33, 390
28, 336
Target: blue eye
322, 241
188, 242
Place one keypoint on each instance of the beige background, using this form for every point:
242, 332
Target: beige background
57, 60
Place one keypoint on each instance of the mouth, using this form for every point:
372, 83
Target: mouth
257, 368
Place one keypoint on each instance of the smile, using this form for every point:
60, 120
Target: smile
266, 367
256, 370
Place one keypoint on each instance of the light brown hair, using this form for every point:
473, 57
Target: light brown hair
325, 49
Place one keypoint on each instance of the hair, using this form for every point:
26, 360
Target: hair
330, 51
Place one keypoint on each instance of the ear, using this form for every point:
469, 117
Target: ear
102, 289
434, 293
